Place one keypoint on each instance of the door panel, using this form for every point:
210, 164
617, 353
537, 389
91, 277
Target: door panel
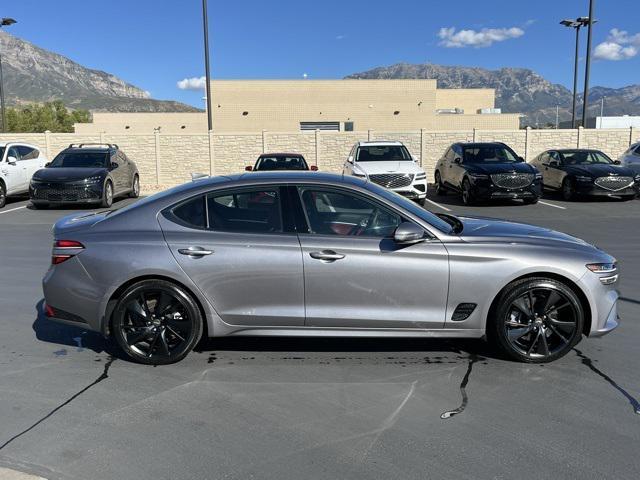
15, 175
376, 284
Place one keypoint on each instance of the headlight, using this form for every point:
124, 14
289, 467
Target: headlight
360, 175
584, 179
538, 176
93, 180
602, 267
479, 176
421, 176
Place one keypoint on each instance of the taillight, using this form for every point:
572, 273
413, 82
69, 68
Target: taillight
70, 248
49, 311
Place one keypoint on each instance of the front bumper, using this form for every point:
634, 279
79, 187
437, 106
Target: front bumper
592, 190
416, 191
65, 193
485, 189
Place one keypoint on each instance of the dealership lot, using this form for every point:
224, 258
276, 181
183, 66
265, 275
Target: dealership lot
318, 408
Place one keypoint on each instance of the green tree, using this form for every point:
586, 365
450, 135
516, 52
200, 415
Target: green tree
52, 116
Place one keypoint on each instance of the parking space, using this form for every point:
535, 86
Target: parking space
318, 408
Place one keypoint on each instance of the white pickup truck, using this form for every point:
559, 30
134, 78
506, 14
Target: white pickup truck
18, 163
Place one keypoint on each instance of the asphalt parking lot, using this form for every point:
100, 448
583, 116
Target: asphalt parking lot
318, 408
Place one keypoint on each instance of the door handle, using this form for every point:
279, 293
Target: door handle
194, 252
327, 255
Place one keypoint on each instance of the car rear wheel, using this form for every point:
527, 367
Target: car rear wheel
468, 197
135, 187
107, 195
568, 189
537, 320
440, 190
156, 322
3, 195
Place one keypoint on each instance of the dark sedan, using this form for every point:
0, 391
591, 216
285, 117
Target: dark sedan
581, 172
280, 161
487, 171
85, 174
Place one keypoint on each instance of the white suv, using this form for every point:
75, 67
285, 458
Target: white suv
390, 165
631, 158
18, 163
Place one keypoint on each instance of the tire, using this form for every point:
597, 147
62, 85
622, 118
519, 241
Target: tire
40, 206
3, 195
531, 201
467, 195
156, 338
107, 195
421, 201
135, 187
568, 189
440, 189
541, 334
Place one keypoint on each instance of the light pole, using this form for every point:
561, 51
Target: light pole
587, 67
576, 24
205, 25
3, 23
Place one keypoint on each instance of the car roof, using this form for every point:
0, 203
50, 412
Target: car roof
480, 144
379, 143
281, 154
565, 150
4, 144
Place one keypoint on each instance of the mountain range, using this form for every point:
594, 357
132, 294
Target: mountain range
518, 90
33, 74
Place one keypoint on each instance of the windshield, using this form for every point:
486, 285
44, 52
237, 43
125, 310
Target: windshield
413, 207
489, 154
582, 157
1, 153
80, 160
281, 162
388, 153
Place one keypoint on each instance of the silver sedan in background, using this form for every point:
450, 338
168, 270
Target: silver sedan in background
314, 254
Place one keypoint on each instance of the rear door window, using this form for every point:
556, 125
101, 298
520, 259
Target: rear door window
247, 211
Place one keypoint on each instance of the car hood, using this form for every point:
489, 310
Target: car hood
598, 170
491, 168
492, 230
377, 167
63, 174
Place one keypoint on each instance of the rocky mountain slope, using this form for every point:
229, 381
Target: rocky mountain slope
33, 74
518, 90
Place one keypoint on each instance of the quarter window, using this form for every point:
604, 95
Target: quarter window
332, 212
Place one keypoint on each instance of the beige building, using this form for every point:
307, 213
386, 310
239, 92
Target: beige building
338, 105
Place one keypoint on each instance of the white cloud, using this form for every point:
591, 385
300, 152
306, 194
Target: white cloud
618, 46
193, 83
451, 38
340, 37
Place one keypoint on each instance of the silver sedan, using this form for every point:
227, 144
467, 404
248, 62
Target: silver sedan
311, 254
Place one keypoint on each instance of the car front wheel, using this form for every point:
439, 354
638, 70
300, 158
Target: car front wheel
156, 322
536, 320
135, 187
3, 195
468, 198
440, 190
568, 189
107, 195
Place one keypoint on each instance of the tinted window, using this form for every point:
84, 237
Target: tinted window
331, 212
637, 150
387, 153
489, 154
81, 160
1, 153
584, 157
13, 152
281, 162
28, 153
191, 213
247, 211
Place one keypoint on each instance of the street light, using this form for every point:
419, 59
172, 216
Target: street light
4, 22
205, 22
587, 67
576, 24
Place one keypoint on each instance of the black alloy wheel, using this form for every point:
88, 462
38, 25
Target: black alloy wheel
107, 195
440, 190
156, 322
468, 197
537, 320
568, 189
135, 187
3, 195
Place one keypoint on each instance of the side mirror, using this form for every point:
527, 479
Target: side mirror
114, 165
408, 233
47, 164
350, 159
314, 168
521, 159
616, 162
248, 168
457, 160
12, 160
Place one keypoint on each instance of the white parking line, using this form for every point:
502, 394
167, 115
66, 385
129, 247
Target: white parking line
13, 209
438, 205
551, 205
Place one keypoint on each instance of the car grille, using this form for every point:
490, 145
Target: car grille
63, 194
392, 180
614, 183
512, 180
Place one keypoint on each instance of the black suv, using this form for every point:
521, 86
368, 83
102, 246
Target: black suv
487, 171
86, 173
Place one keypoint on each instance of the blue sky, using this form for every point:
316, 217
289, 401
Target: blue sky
155, 43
